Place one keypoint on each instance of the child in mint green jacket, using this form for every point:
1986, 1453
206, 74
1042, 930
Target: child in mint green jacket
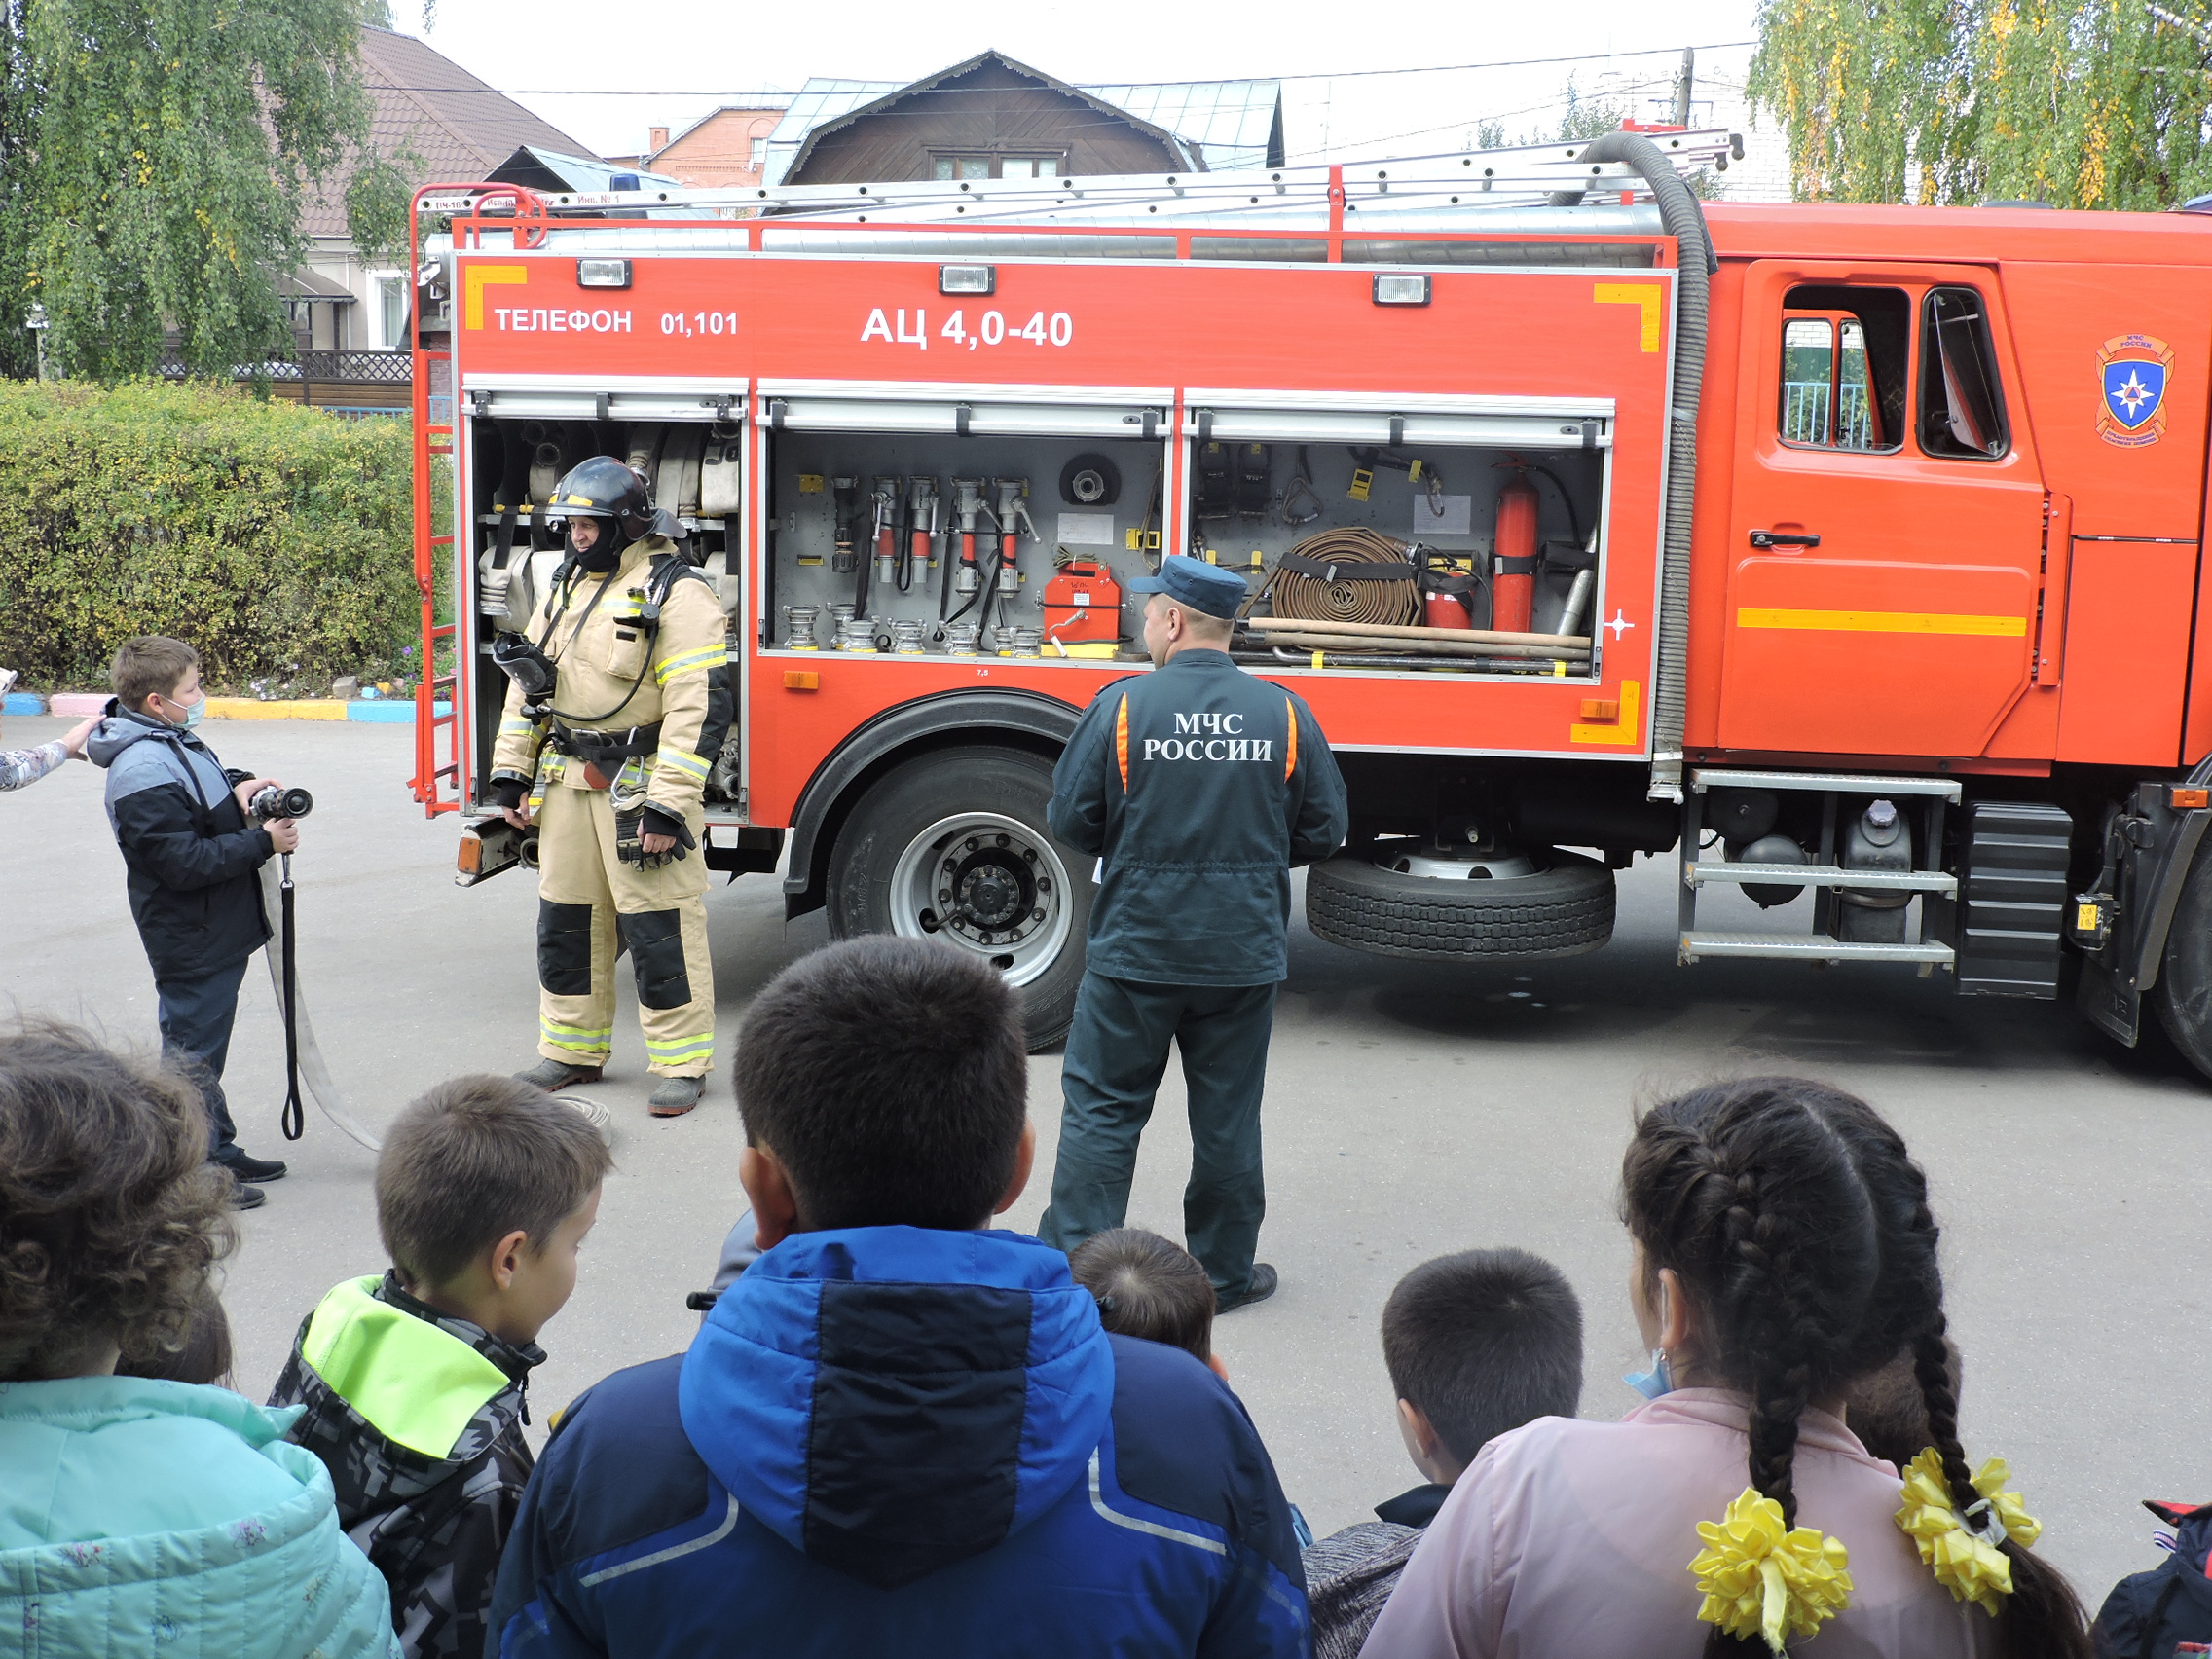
136, 1516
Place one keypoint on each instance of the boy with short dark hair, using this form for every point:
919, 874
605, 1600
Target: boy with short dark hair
1151, 1288
414, 1384
1477, 1344
900, 1430
193, 854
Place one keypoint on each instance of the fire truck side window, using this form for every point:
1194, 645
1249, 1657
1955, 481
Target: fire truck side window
1962, 407
1843, 369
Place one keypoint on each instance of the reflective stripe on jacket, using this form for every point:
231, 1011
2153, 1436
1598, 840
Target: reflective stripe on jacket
616, 674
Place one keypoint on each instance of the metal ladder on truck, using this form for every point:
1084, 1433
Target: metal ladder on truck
1826, 875
440, 699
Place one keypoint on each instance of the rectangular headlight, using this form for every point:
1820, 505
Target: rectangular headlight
603, 273
967, 278
1392, 288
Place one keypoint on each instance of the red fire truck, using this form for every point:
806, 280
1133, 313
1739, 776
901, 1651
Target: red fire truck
1851, 552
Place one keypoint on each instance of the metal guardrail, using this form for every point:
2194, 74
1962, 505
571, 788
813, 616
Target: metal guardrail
343, 368
1805, 416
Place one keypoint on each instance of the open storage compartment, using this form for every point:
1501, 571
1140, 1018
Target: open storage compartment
1468, 539
523, 439
918, 522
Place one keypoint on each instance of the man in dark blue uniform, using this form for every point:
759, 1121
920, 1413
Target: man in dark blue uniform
1200, 787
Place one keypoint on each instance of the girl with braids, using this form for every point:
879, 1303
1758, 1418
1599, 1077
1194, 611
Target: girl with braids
1784, 1250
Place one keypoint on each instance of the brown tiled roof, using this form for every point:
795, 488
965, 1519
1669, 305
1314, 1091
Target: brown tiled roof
424, 102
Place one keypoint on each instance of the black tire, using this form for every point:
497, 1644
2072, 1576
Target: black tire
944, 784
1563, 911
2183, 995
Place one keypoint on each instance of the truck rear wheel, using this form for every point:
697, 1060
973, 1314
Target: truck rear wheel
953, 847
2183, 994
1563, 908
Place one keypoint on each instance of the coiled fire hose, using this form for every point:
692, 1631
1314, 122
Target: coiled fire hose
1322, 579
300, 1045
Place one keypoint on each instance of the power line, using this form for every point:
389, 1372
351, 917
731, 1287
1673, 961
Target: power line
734, 100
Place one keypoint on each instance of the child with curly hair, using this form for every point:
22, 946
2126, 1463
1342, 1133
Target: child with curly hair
135, 1514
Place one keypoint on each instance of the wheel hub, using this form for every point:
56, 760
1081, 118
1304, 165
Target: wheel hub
989, 884
988, 890
1461, 863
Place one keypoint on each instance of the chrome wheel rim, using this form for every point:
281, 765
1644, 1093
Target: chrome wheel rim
987, 884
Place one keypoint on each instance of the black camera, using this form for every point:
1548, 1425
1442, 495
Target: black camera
271, 802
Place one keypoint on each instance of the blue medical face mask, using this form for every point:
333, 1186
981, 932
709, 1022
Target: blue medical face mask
1658, 1380
193, 711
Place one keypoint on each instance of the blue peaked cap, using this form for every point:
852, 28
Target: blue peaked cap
1198, 584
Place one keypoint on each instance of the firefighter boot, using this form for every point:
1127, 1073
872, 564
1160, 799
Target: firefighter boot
676, 1097
553, 1075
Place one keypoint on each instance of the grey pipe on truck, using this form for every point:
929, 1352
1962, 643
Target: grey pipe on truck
1684, 220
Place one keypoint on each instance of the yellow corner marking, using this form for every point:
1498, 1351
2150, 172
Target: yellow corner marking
477, 279
1627, 729
1884, 622
1648, 295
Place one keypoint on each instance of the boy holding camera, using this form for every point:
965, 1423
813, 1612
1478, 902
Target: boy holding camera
194, 854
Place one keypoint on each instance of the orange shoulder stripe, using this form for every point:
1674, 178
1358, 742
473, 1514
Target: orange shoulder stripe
1290, 749
1122, 740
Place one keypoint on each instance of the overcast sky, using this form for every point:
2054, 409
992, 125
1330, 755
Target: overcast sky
604, 73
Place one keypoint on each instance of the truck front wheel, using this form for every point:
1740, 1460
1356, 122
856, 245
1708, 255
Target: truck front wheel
953, 846
2183, 994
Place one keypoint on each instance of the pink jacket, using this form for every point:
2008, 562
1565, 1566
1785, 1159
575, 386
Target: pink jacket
1572, 1540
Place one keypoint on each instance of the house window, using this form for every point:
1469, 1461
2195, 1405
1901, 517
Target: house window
387, 311
999, 166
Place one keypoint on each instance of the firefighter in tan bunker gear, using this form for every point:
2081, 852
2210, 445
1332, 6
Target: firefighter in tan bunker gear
611, 767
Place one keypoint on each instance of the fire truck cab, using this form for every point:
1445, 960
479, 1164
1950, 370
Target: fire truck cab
1844, 552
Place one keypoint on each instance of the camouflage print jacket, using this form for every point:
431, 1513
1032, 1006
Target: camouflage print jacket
419, 1416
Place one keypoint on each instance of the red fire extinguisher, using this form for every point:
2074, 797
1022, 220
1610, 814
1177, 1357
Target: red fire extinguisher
1513, 571
1447, 594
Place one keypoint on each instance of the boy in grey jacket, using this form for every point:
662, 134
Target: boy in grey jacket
1477, 1344
194, 854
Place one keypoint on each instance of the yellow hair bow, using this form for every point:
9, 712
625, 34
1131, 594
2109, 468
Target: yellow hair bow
1759, 1578
1963, 1549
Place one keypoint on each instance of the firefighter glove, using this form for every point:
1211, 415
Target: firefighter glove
655, 822
631, 829
507, 792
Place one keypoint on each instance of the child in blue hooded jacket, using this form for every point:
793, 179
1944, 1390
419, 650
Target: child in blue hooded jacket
139, 1516
900, 1430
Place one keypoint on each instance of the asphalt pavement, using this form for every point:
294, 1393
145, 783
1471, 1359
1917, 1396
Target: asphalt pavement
1412, 1110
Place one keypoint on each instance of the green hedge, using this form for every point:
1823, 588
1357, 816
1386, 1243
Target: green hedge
273, 538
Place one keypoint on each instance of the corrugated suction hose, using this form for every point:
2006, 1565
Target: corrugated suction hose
1315, 598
